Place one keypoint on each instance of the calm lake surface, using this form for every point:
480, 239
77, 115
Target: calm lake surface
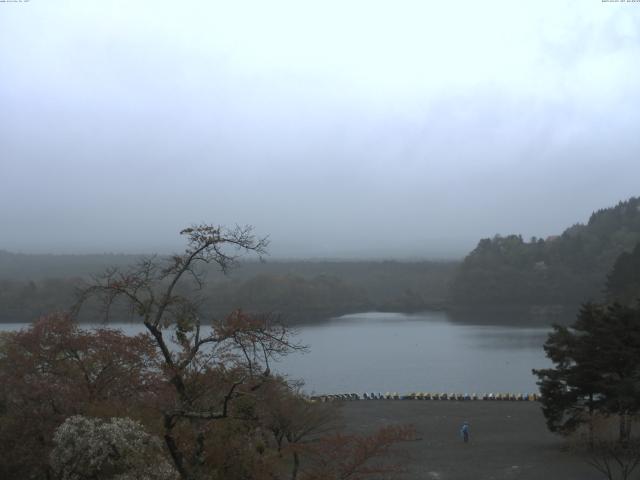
390, 352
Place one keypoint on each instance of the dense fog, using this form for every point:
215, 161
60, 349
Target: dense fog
357, 129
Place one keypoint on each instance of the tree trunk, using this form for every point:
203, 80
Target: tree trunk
591, 420
625, 426
628, 427
296, 466
174, 451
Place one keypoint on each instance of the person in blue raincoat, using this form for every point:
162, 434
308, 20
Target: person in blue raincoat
464, 432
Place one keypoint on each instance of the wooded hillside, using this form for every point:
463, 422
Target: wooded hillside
568, 269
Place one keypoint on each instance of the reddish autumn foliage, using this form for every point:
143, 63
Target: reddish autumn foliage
205, 387
355, 457
234, 422
55, 369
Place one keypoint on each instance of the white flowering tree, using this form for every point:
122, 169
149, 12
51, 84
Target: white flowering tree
114, 449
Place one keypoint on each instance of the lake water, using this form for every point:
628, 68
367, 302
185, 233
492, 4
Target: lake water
389, 352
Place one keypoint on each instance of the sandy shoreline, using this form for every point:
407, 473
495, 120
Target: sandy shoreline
509, 440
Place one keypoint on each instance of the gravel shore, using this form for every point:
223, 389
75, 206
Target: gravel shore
508, 440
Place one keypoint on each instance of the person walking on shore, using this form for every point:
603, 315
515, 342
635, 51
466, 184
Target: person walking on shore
464, 432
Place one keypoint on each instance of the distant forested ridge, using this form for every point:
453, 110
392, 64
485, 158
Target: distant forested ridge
562, 270
597, 261
23, 266
301, 291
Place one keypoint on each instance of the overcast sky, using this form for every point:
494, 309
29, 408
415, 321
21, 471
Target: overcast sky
340, 128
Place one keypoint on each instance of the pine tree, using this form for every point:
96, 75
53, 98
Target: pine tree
596, 369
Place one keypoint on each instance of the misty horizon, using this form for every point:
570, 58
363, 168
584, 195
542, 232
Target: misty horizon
358, 130
427, 249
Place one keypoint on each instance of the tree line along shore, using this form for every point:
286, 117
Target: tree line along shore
538, 277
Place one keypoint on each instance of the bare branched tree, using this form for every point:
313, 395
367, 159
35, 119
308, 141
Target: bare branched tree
293, 420
208, 366
614, 459
357, 457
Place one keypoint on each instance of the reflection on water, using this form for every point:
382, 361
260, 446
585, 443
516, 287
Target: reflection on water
540, 316
423, 352
389, 352
506, 338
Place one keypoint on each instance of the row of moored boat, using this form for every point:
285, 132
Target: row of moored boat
512, 397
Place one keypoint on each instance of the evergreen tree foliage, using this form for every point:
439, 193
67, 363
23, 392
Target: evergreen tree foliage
596, 368
563, 270
623, 283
